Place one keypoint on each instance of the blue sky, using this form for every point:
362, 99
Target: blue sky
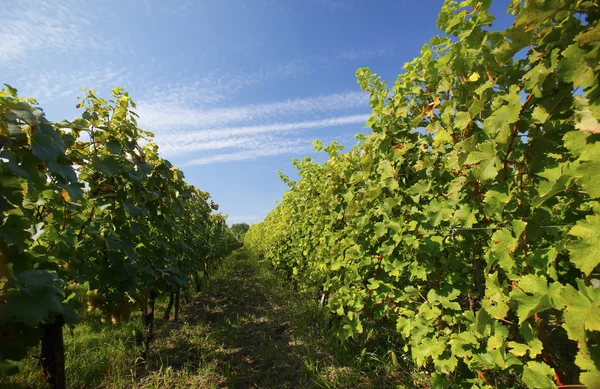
233, 90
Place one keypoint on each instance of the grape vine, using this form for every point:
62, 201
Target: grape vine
469, 216
90, 204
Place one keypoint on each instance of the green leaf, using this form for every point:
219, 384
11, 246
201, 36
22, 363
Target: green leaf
558, 179
108, 165
46, 143
573, 67
590, 373
588, 172
533, 345
8, 159
495, 301
576, 142
35, 300
8, 368
462, 120
437, 211
495, 199
438, 381
465, 216
538, 375
429, 348
113, 146
497, 125
380, 229
584, 250
488, 162
504, 244
582, 313
446, 363
535, 13
518, 349
533, 295
63, 170
531, 338
539, 114
585, 120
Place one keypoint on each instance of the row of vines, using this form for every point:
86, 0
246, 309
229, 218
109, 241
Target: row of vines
469, 217
91, 215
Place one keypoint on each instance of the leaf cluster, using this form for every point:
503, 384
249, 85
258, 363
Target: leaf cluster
469, 215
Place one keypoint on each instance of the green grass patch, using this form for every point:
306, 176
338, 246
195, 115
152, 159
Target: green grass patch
246, 328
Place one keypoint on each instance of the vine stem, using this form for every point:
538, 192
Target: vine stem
523, 218
377, 273
514, 135
86, 222
40, 212
466, 129
475, 185
62, 227
482, 376
545, 354
508, 322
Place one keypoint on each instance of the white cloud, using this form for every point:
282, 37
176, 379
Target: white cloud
247, 155
245, 137
161, 117
183, 103
168, 149
32, 28
49, 85
185, 96
171, 96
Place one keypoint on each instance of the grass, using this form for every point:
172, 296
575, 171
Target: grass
95, 355
245, 329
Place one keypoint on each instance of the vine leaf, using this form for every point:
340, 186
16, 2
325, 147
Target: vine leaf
533, 295
46, 143
487, 160
588, 172
538, 375
585, 120
584, 250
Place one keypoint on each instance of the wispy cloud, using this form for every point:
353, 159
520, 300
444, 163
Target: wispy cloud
162, 117
51, 85
182, 99
178, 9
217, 87
32, 28
362, 54
169, 149
187, 113
244, 136
268, 151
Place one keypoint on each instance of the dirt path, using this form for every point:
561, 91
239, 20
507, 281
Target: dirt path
248, 330
236, 334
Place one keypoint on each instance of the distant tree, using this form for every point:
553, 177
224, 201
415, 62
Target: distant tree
239, 230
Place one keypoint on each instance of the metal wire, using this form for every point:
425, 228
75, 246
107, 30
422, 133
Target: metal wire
458, 229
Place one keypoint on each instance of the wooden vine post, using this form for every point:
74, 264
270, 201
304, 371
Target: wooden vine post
52, 357
167, 313
177, 294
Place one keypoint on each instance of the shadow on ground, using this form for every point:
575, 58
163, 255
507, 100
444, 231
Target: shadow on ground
238, 329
